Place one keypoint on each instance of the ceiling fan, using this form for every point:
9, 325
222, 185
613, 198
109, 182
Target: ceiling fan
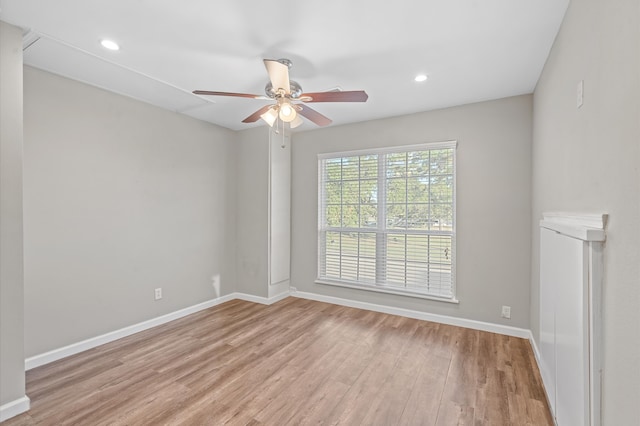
284, 92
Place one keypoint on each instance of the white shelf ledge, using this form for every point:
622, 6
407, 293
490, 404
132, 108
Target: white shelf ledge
586, 227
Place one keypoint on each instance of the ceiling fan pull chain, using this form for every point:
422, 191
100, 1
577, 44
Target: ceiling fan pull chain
283, 137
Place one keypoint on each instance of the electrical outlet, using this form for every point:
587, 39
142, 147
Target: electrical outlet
506, 312
292, 289
158, 293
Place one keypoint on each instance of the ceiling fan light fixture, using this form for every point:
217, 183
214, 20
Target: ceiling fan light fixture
270, 116
420, 78
287, 112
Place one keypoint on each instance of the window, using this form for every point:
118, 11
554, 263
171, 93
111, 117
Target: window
386, 220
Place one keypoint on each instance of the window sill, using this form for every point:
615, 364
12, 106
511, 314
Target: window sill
379, 289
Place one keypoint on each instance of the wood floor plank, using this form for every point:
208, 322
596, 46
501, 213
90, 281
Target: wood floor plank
355, 405
424, 401
296, 362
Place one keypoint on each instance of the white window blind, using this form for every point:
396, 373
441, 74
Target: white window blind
387, 220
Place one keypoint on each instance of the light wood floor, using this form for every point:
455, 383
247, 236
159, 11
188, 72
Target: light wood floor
294, 362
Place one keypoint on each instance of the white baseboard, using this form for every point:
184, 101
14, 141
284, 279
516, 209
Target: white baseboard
262, 300
442, 319
74, 348
13, 408
534, 346
56, 354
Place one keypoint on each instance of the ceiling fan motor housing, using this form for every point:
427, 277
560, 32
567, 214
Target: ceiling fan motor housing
295, 90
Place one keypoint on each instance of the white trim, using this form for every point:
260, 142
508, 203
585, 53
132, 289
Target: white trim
388, 290
402, 148
586, 227
425, 316
260, 299
74, 348
534, 346
588, 220
15, 407
596, 365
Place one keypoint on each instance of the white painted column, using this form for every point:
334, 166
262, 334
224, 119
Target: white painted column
13, 400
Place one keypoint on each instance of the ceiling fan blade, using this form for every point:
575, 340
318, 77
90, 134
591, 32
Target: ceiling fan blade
348, 96
278, 74
237, 95
313, 115
256, 115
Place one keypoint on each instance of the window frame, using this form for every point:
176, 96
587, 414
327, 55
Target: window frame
386, 288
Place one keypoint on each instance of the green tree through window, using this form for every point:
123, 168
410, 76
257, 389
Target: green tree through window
386, 219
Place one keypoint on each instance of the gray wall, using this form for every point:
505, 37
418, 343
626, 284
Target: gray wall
586, 160
120, 197
493, 203
12, 383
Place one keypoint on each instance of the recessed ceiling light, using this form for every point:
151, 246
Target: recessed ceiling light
110, 44
421, 77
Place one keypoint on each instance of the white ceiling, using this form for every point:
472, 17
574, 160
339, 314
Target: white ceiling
472, 50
